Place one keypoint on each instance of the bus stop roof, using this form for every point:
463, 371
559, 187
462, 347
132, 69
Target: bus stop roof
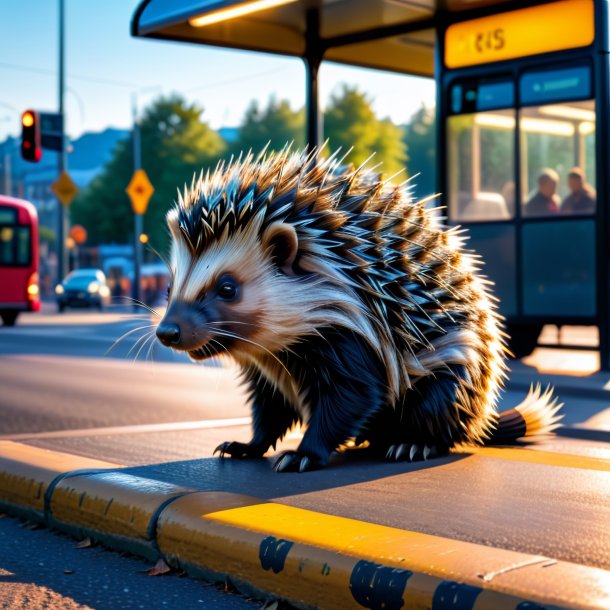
396, 35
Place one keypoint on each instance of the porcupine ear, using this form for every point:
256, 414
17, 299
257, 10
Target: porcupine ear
282, 241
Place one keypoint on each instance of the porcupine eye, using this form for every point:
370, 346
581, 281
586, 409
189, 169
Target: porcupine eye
227, 288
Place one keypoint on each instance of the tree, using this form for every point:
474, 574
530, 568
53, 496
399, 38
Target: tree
175, 144
350, 122
277, 124
420, 138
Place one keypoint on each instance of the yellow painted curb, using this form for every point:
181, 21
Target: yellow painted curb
26, 473
112, 506
308, 558
318, 560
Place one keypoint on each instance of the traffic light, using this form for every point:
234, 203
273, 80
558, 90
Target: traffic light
31, 149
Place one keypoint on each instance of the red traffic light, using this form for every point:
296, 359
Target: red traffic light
31, 149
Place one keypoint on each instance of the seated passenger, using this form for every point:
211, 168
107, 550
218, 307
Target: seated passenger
581, 199
545, 201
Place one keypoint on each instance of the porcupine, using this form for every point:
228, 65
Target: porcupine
349, 308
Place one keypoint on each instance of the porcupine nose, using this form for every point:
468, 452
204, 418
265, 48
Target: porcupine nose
168, 333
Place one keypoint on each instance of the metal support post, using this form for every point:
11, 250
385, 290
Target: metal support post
62, 157
137, 224
313, 58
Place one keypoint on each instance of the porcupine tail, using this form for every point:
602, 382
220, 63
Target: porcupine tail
537, 415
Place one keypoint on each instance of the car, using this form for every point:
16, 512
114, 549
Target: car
83, 288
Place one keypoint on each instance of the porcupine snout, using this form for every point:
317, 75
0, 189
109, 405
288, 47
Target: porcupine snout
168, 333
182, 328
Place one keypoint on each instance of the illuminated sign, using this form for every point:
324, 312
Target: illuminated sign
568, 24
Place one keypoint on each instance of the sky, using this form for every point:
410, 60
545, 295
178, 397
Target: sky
105, 66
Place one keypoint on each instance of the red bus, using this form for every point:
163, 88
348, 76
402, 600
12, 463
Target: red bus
19, 290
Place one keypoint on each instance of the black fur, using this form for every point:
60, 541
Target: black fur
346, 388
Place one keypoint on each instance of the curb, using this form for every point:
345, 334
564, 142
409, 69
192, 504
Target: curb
310, 559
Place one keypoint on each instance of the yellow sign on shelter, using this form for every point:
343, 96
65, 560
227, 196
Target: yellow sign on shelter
140, 190
64, 188
568, 24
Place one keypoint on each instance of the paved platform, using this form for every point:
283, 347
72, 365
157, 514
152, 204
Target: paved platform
122, 453
499, 527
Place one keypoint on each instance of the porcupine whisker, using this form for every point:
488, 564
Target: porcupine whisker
138, 345
126, 334
286, 349
151, 336
150, 343
141, 304
240, 338
144, 343
239, 322
216, 357
138, 341
151, 351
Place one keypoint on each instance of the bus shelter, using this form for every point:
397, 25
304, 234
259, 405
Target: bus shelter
523, 123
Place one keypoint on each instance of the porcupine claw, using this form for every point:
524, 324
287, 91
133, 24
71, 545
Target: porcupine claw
237, 450
293, 461
391, 453
406, 452
401, 452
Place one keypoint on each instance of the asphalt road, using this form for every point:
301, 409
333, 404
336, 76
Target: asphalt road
57, 373
40, 569
59, 390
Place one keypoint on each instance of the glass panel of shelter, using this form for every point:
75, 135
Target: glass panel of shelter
481, 166
557, 129
558, 159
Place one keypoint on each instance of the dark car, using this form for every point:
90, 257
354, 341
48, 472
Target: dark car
83, 288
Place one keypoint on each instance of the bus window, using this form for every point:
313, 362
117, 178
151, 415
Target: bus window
558, 159
15, 246
481, 166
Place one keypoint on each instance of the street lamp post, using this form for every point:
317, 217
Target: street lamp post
137, 244
62, 231
143, 184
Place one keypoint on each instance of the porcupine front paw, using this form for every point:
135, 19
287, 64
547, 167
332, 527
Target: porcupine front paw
406, 452
295, 461
239, 450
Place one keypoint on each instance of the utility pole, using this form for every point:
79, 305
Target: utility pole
137, 221
62, 259
8, 183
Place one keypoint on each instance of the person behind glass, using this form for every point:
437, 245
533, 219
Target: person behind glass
581, 199
545, 201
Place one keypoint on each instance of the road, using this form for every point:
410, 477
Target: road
62, 373
44, 569
162, 417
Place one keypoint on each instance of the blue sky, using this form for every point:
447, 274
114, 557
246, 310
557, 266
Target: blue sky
104, 65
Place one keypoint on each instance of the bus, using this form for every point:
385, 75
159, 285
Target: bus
19, 287
522, 109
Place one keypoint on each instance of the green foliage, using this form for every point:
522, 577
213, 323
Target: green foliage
420, 138
350, 122
46, 234
277, 124
175, 143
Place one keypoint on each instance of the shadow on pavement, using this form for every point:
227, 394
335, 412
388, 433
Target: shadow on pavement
257, 478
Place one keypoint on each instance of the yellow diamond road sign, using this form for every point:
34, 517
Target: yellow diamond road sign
64, 188
140, 191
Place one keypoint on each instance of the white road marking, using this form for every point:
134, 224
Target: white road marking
133, 429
